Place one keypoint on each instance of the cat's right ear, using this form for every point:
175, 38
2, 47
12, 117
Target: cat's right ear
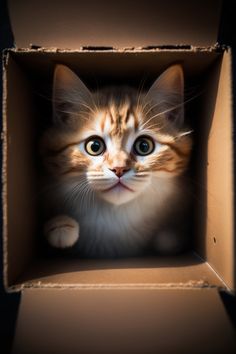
70, 95
167, 94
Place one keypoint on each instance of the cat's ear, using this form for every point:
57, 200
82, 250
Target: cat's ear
70, 95
166, 95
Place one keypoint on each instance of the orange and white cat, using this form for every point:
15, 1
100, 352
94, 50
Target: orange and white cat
116, 160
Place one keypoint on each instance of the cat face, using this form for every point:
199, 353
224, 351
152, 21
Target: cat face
117, 153
117, 142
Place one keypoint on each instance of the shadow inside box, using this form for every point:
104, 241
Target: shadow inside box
148, 269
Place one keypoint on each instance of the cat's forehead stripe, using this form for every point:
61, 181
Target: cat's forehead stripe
118, 121
102, 118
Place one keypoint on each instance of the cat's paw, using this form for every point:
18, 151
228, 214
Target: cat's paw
61, 231
168, 242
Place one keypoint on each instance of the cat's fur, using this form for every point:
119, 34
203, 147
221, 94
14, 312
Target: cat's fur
86, 213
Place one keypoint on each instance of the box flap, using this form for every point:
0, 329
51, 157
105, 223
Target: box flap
74, 24
123, 321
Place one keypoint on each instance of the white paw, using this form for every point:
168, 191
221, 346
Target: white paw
167, 242
61, 231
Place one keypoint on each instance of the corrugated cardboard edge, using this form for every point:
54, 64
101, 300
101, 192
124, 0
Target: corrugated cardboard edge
4, 170
151, 48
190, 285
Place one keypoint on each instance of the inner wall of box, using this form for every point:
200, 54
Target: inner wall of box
29, 78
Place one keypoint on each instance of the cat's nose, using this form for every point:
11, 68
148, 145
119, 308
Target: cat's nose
119, 171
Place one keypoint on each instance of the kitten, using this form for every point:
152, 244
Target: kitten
116, 160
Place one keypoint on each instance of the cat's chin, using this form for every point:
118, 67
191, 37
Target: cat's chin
118, 195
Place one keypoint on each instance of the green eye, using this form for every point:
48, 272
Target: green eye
143, 146
95, 146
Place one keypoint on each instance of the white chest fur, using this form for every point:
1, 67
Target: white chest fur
126, 229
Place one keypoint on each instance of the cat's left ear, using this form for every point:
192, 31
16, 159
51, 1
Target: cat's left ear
166, 95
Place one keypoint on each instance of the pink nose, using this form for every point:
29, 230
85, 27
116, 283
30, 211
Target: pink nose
119, 171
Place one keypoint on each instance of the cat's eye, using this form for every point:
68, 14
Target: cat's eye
143, 146
95, 146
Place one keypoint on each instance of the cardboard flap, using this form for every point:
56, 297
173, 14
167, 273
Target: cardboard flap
74, 24
123, 321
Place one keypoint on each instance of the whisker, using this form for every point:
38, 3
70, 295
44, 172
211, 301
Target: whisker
152, 126
140, 90
153, 106
78, 187
167, 110
83, 194
170, 109
99, 179
68, 199
76, 101
95, 175
80, 115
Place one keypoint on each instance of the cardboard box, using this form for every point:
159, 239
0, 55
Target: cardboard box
123, 305
25, 72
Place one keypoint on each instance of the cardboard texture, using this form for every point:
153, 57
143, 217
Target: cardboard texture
187, 271
73, 24
96, 285
123, 321
210, 70
139, 305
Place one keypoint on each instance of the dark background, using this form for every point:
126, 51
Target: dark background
9, 302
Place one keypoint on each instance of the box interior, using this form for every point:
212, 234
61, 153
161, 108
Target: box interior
209, 261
